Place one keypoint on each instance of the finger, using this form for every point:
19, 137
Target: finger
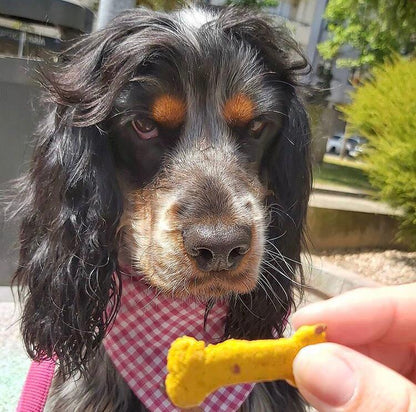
335, 378
363, 316
400, 358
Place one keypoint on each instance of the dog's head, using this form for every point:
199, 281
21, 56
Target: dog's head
176, 144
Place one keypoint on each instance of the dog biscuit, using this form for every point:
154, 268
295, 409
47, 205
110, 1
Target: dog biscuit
196, 370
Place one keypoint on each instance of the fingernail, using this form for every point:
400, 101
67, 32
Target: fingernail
324, 375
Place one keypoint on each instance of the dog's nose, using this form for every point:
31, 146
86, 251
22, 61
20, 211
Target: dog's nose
217, 247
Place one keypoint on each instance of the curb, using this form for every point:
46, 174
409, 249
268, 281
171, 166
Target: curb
341, 192
327, 280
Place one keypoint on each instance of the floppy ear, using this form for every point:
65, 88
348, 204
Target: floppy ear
286, 168
68, 253
264, 312
70, 209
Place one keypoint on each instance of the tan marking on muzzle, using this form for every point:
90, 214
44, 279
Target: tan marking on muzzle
169, 111
238, 110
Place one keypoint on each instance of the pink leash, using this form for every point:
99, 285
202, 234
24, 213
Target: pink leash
36, 388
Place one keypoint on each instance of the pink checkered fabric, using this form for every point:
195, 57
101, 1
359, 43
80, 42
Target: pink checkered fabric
141, 335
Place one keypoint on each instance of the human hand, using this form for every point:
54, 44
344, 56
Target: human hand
369, 362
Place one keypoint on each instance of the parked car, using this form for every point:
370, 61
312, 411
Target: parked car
334, 144
354, 145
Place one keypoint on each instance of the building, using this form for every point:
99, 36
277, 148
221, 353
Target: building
27, 29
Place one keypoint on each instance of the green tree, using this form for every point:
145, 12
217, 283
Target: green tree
374, 28
160, 4
383, 109
173, 4
254, 3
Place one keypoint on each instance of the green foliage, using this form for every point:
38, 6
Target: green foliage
161, 4
254, 3
174, 4
342, 173
384, 111
374, 28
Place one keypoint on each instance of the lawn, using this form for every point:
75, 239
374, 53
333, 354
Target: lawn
342, 172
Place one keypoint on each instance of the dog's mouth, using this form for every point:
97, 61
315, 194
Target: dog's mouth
218, 285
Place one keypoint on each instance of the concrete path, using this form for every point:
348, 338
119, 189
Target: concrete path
341, 201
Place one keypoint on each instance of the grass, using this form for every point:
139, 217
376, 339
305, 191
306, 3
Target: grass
342, 172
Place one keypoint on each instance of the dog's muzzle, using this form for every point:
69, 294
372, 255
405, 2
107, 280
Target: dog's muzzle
200, 228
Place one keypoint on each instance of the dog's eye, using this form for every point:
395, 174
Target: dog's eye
146, 128
256, 126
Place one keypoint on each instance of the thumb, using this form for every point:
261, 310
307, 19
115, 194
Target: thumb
335, 378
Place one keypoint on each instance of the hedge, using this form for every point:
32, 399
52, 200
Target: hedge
383, 110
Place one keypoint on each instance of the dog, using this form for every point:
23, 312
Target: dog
176, 145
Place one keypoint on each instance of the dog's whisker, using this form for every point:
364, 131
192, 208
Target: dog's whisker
276, 280
277, 250
282, 273
276, 237
264, 288
250, 311
275, 263
279, 211
277, 258
307, 264
251, 300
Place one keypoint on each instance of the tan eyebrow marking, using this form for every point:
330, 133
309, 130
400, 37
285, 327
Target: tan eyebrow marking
169, 111
238, 110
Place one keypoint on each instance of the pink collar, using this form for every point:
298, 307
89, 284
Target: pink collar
140, 337
36, 388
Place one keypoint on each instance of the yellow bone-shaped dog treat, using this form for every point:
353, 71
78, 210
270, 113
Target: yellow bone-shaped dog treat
194, 371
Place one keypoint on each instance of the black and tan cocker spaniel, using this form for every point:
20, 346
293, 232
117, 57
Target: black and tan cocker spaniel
175, 152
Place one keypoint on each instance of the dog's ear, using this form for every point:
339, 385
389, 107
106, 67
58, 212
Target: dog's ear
71, 204
68, 252
286, 168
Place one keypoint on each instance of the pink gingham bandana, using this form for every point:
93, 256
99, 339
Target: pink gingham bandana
140, 337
